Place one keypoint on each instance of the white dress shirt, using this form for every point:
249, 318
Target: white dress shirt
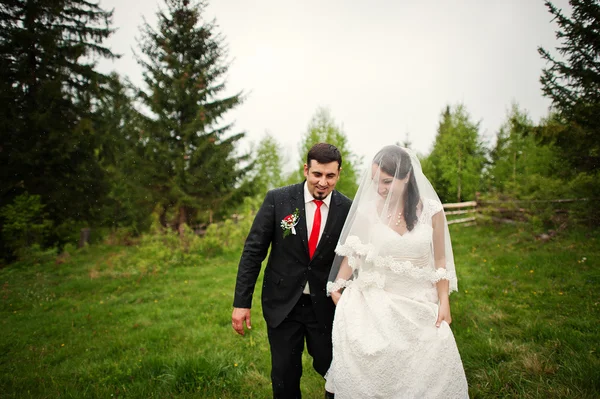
309, 209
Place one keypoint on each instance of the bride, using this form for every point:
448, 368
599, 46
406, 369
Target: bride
391, 280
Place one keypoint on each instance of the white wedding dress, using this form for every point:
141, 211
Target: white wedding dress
385, 342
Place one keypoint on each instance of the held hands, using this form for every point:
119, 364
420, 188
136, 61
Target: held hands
238, 317
444, 312
335, 296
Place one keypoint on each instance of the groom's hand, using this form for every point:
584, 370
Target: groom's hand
238, 317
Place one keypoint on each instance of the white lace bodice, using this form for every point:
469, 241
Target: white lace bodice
397, 263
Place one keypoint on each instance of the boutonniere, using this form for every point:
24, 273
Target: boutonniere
288, 223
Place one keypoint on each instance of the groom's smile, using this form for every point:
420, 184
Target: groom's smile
321, 178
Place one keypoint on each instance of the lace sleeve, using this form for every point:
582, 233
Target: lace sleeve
435, 206
336, 286
430, 208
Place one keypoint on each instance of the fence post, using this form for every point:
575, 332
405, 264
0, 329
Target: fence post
84, 237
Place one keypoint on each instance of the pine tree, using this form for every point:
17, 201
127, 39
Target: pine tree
129, 202
323, 129
48, 85
455, 163
267, 173
432, 164
573, 84
190, 162
519, 160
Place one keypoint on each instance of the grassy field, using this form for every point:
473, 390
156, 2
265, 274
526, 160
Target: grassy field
149, 322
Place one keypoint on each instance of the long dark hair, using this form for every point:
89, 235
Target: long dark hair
394, 161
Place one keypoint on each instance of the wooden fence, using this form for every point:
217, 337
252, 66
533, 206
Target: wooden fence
510, 211
468, 209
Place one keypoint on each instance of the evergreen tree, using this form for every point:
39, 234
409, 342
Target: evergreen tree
432, 164
190, 163
268, 165
573, 84
129, 202
456, 161
48, 84
322, 129
518, 161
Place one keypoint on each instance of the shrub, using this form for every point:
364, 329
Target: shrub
69, 248
36, 254
25, 223
121, 236
212, 242
585, 185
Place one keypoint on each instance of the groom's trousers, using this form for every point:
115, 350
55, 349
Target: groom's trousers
287, 344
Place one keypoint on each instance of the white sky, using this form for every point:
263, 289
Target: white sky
384, 68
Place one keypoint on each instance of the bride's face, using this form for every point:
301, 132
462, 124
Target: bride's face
387, 185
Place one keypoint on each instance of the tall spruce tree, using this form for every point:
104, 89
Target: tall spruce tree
455, 163
572, 82
190, 162
48, 83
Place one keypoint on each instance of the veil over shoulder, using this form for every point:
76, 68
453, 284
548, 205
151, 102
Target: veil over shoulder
375, 205
391, 337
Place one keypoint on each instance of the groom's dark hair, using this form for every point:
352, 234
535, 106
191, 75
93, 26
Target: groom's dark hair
324, 153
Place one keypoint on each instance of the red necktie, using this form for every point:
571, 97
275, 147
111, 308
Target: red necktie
316, 229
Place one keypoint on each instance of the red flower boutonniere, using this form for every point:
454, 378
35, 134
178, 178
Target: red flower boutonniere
288, 223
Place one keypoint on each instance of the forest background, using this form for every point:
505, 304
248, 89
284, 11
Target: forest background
154, 187
81, 149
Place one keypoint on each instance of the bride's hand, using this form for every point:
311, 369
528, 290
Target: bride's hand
335, 296
444, 312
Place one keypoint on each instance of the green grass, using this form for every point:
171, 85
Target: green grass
526, 317
148, 322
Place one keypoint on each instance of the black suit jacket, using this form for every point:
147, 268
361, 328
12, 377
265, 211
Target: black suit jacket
289, 266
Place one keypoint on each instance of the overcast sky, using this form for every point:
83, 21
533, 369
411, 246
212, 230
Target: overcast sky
384, 68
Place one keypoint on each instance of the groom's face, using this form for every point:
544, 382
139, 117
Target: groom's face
321, 178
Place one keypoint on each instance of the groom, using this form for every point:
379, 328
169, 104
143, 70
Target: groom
302, 224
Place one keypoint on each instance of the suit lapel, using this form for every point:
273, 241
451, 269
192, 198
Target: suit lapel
298, 202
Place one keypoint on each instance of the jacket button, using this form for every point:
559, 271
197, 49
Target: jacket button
309, 268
